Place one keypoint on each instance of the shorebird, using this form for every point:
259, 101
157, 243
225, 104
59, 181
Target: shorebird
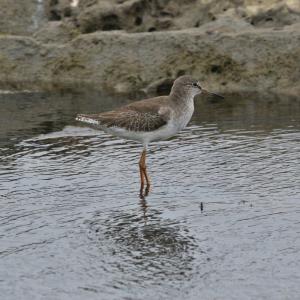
150, 119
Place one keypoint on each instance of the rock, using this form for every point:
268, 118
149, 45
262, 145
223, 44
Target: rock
159, 87
227, 24
56, 32
21, 17
276, 15
130, 15
145, 15
124, 46
99, 17
246, 60
59, 9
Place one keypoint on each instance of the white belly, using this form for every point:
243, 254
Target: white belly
174, 125
145, 138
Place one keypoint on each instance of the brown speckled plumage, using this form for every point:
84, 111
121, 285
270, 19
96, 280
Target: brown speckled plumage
145, 115
151, 119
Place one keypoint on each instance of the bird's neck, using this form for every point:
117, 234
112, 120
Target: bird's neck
182, 97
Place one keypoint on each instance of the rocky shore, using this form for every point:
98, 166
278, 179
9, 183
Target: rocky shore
142, 45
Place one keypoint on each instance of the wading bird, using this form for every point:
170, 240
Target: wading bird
150, 119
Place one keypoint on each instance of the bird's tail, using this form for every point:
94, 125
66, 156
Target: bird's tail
89, 119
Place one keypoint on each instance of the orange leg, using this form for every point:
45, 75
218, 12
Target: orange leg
143, 173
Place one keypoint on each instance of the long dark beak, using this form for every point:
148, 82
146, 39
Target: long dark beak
205, 92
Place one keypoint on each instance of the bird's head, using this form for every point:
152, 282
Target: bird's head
191, 87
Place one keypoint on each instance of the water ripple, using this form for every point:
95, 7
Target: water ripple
222, 218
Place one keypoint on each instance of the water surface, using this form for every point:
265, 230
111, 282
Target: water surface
222, 220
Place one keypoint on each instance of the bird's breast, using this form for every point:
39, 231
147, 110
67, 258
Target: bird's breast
183, 115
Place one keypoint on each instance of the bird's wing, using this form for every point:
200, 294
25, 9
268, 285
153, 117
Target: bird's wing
145, 115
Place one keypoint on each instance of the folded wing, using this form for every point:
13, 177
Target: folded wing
146, 115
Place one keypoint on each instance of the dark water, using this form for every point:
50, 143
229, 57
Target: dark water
73, 227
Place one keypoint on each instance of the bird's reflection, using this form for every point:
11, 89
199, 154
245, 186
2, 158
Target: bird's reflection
143, 202
144, 207
145, 243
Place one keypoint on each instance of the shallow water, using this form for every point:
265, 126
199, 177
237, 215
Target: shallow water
73, 227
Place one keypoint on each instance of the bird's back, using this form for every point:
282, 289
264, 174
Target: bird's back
145, 115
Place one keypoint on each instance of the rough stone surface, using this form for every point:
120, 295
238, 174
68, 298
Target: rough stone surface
249, 60
21, 17
148, 15
56, 32
128, 45
57, 10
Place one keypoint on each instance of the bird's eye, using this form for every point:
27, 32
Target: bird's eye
195, 84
